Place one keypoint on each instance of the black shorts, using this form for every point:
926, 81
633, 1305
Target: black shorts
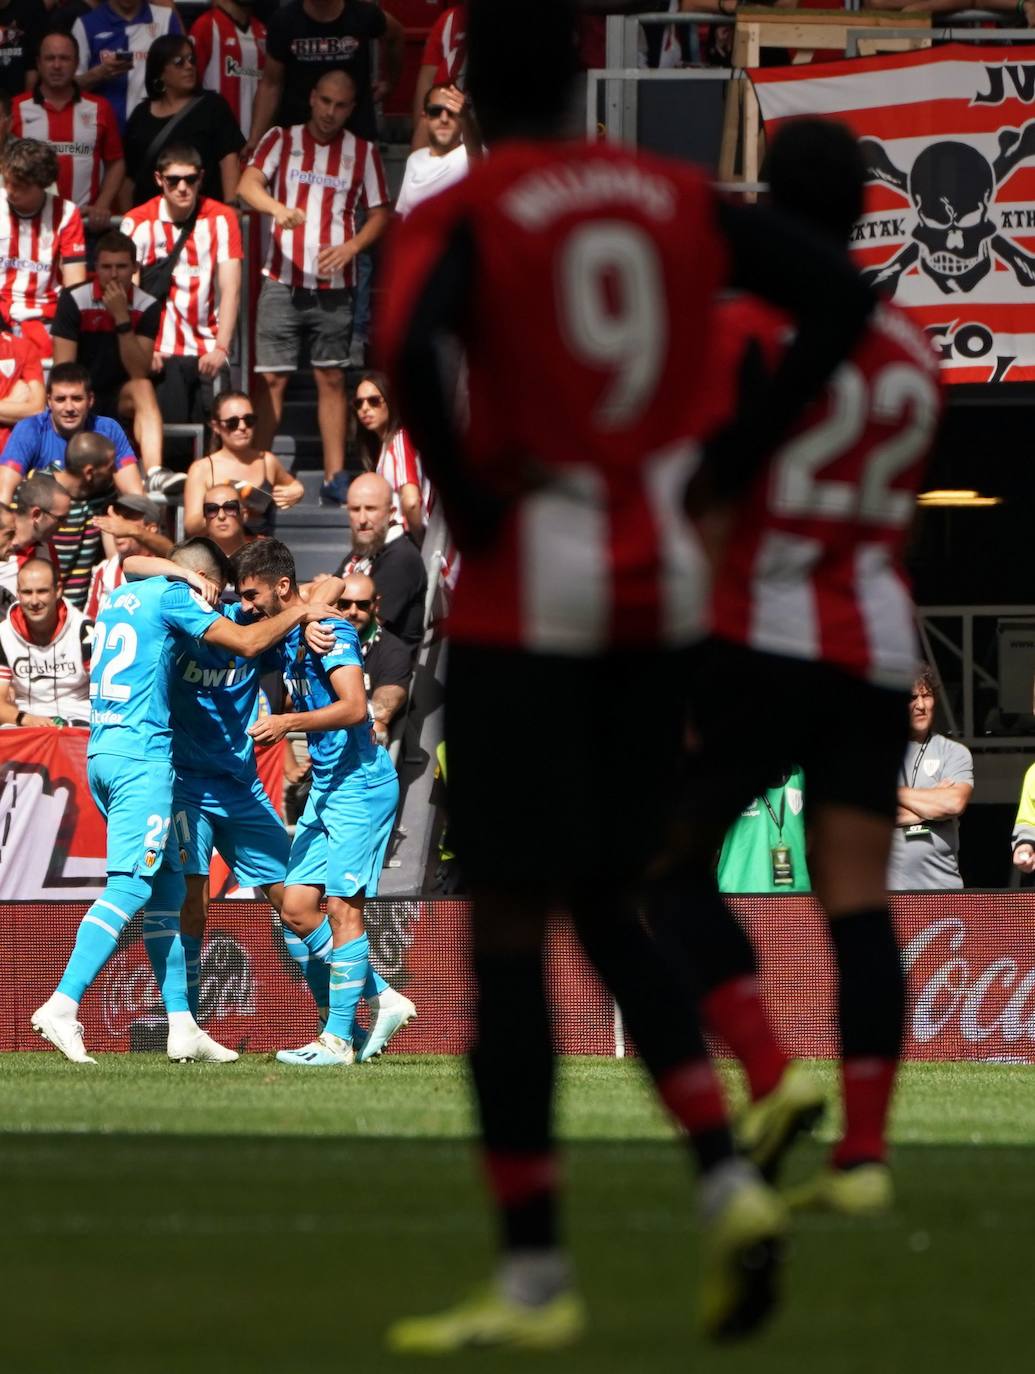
758, 715
561, 771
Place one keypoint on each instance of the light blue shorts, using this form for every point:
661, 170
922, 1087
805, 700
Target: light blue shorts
136, 801
234, 817
342, 837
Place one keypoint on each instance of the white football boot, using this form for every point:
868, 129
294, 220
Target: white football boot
190, 1044
65, 1033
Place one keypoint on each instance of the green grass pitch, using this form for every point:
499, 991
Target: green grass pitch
256, 1218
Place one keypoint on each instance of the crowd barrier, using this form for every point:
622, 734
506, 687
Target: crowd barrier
970, 960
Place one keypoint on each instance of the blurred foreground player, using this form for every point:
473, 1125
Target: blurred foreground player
130, 770
811, 600
582, 277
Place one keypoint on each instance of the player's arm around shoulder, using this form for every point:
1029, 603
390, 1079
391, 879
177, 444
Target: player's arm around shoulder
343, 664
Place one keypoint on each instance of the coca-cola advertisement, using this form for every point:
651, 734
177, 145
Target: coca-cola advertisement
969, 959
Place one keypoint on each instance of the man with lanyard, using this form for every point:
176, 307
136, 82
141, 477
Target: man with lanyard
764, 848
936, 783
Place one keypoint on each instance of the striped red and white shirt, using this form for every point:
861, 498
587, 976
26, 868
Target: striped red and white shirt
33, 250
19, 362
191, 315
813, 566
400, 465
327, 181
107, 578
85, 135
230, 60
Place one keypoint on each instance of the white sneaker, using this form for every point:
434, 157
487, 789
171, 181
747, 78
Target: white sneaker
63, 1032
192, 1043
165, 482
389, 1012
325, 1052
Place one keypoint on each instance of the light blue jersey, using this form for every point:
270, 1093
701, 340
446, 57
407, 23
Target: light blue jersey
137, 638
214, 697
337, 755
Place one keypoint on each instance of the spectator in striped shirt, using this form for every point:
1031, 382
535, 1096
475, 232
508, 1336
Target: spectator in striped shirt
42, 243
311, 179
80, 127
114, 40
231, 48
387, 449
201, 305
87, 477
134, 523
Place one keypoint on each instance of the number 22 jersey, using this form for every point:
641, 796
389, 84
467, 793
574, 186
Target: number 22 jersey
135, 643
812, 567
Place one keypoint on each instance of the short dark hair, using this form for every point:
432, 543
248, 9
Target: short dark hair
69, 374
438, 86
159, 55
181, 153
816, 172
204, 556
38, 489
115, 241
55, 32
266, 559
522, 59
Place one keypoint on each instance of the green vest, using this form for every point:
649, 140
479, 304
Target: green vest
746, 861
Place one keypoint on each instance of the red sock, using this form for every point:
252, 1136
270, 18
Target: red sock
867, 1085
692, 1093
734, 1010
516, 1178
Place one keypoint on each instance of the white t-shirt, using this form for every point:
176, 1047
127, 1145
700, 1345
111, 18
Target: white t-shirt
428, 176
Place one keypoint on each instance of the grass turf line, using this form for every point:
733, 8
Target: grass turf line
247, 1219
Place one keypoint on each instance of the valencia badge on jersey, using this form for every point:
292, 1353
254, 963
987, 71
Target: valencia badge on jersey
150, 858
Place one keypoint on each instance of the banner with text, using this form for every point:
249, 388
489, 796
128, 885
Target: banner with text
52, 837
969, 960
949, 225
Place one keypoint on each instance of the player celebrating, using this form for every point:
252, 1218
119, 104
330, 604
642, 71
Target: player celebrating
342, 836
131, 779
219, 803
811, 599
587, 274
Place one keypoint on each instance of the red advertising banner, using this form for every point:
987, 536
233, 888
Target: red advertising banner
948, 230
52, 837
969, 957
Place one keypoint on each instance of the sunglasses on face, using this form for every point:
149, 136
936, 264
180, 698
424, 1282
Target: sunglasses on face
234, 422
375, 402
361, 605
185, 59
188, 179
211, 509
437, 111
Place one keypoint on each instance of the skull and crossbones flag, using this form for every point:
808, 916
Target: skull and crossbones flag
949, 227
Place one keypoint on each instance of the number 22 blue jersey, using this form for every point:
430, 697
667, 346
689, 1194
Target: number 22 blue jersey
135, 644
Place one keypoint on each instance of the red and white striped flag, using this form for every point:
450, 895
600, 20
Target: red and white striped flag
949, 227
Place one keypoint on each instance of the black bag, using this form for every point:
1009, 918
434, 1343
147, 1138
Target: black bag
157, 277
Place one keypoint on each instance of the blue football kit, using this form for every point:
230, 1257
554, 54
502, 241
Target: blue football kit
129, 766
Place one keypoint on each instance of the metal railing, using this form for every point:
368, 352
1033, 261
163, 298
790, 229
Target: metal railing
962, 648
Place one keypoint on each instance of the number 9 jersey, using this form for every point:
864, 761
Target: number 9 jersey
590, 275
812, 563
135, 643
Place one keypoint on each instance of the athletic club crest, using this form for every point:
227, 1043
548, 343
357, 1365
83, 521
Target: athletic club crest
951, 188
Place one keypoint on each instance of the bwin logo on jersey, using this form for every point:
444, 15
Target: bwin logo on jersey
199, 676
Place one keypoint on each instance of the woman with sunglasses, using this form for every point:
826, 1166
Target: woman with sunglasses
223, 519
203, 119
260, 479
387, 448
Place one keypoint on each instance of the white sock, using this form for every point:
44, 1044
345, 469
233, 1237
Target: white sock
63, 1005
534, 1277
182, 1020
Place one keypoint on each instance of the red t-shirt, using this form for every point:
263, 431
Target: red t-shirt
595, 272
813, 564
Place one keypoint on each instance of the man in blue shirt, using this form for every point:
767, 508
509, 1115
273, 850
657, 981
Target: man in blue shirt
39, 441
130, 770
113, 42
342, 836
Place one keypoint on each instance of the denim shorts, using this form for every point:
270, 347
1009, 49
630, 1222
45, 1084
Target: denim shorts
287, 315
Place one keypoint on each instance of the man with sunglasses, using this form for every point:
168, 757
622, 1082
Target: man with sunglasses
387, 661
202, 298
443, 158
37, 509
